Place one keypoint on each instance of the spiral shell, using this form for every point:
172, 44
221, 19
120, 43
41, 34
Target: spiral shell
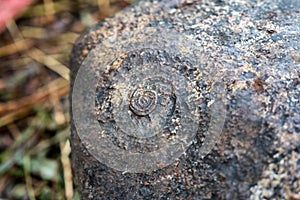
149, 103
143, 102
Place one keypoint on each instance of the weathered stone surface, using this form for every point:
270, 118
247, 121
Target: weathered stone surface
256, 45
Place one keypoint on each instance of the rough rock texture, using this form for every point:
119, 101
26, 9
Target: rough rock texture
257, 44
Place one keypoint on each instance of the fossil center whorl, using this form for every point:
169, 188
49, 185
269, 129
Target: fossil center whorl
143, 102
146, 100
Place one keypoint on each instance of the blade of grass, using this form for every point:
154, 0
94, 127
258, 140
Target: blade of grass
49, 62
16, 47
39, 9
65, 160
37, 54
49, 9
61, 136
18, 109
28, 179
10, 156
38, 96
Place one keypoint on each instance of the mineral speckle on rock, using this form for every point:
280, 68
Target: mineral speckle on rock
256, 45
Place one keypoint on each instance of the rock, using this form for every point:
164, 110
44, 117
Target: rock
253, 48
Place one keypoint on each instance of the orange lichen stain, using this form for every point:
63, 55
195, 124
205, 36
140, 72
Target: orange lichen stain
258, 85
296, 56
116, 64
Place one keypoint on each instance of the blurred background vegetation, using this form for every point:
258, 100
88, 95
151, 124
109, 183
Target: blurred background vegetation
34, 86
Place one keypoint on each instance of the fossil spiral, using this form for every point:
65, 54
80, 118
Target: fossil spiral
143, 102
150, 103
147, 96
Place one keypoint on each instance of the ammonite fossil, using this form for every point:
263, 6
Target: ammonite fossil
147, 102
143, 101
151, 103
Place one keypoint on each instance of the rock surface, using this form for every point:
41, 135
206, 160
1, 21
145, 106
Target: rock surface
256, 45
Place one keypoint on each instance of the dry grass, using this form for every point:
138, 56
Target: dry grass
34, 86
